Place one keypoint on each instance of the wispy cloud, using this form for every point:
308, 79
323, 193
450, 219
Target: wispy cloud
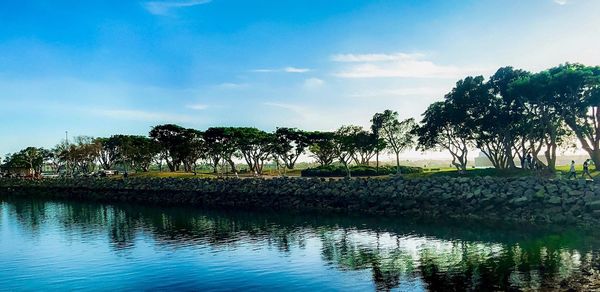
561, 2
351, 58
395, 65
197, 107
312, 83
411, 91
139, 115
285, 70
231, 85
164, 7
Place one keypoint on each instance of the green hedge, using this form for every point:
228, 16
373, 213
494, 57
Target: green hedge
358, 170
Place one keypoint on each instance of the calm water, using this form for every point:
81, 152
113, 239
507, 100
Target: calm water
59, 246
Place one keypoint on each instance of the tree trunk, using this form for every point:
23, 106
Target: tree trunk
550, 154
397, 162
595, 156
377, 162
508, 153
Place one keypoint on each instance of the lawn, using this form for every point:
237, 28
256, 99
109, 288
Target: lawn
562, 171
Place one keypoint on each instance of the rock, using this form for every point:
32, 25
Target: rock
520, 201
575, 193
555, 200
540, 194
594, 205
552, 189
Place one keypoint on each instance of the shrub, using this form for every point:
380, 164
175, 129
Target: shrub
357, 170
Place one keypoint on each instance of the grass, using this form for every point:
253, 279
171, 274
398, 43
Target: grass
562, 171
158, 174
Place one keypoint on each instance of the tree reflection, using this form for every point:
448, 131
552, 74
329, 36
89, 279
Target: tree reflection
442, 259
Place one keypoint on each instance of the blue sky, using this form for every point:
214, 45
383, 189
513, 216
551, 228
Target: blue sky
104, 67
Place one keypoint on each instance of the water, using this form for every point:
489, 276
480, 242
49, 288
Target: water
72, 246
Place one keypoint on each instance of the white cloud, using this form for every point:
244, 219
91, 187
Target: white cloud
348, 58
295, 70
396, 65
561, 2
291, 107
312, 83
230, 85
164, 7
138, 115
198, 106
286, 70
414, 91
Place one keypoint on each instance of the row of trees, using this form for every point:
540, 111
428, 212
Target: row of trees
516, 113
182, 148
513, 115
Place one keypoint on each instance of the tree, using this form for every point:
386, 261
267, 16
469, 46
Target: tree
542, 106
575, 90
135, 152
440, 129
220, 145
109, 151
80, 157
366, 145
376, 125
192, 150
172, 140
322, 146
506, 111
255, 145
31, 158
345, 145
398, 135
290, 144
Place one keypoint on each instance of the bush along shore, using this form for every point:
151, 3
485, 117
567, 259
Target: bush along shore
513, 199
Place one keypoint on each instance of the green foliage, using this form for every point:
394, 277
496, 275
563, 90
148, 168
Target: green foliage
322, 147
358, 170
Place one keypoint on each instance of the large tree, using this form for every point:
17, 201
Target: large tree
506, 111
221, 146
30, 158
173, 141
376, 125
256, 147
398, 135
290, 144
575, 90
442, 128
109, 151
323, 147
345, 145
542, 107
365, 144
136, 152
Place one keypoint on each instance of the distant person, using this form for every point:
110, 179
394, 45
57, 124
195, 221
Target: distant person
572, 172
586, 169
529, 158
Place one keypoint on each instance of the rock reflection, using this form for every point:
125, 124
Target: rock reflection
440, 257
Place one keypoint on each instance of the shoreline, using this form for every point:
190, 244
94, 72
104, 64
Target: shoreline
530, 199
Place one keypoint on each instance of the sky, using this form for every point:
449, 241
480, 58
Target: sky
107, 67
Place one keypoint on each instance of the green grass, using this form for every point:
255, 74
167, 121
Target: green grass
158, 174
562, 171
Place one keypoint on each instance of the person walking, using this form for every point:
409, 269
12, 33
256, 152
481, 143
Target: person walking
572, 172
529, 160
586, 169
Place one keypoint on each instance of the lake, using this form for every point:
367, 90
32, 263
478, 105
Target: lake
51, 245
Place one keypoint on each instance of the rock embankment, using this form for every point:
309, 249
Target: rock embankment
513, 199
